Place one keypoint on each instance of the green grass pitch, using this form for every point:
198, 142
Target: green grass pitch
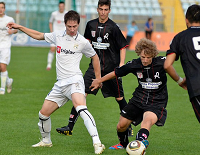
19, 113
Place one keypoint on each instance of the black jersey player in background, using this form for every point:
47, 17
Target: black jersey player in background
149, 101
110, 45
185, 45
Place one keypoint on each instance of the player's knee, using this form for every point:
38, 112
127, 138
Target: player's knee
121, 127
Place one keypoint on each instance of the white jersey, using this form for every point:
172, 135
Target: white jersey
5, 38
57, 19
69, 52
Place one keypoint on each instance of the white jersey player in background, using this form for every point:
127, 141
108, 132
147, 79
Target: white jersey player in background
70, 84
5, 49
56, 23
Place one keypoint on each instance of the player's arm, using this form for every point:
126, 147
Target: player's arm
122, 56
97, 82
96, 66
32, 33
168, 66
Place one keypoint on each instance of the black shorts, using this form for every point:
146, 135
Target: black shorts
196, 106
111, 88
135, 113
128, 39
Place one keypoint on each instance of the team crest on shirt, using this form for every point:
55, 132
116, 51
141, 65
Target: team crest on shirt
139, 75
76, 46
93, 33
58, 49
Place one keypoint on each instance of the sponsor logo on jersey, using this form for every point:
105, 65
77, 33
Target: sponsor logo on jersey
139, 75
71, 116
150, 85
58, 49
157, 75
100, 46
67, 51
93, 33
106, 36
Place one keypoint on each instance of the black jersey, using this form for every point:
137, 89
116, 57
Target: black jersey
107, 40
186, 45
152, 79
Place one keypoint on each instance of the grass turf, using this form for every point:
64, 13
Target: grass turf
19, 113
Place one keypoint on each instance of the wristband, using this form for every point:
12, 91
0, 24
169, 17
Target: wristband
180, 80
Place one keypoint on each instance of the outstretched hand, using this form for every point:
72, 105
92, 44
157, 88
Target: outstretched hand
95, 84
12, 25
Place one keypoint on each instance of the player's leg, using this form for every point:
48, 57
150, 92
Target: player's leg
122, 133
67, 130
5, 80
149, 119
196, 106
44, 123
50, 57
79, 103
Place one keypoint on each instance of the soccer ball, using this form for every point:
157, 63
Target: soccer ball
135, 147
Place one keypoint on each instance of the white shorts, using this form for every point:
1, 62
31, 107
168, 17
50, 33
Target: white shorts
63, 89
5, 55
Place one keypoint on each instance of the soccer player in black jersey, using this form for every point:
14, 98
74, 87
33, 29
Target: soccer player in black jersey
149, 101
110, 45
185, 45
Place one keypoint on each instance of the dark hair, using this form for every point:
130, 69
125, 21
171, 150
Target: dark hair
61, 2
193, 13
72, 15
3, 4
104, 2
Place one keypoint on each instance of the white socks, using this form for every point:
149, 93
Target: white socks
4, 78
44, 125
50, 58
89, 123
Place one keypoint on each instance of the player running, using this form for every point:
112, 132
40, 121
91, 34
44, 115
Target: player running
149, 101
185, 45
110, 45
5, 51
70, 85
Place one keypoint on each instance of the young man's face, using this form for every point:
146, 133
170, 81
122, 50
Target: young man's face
61, 7
103, 12
146, 59
2, 9
71, 27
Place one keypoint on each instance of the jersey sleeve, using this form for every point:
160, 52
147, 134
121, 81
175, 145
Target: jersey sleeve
51, 19
174, 48
124, 70
87, 33
88, 51
50, 37
119, 37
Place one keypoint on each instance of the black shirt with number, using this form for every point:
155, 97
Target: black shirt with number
152, 80
186, 45
107, 40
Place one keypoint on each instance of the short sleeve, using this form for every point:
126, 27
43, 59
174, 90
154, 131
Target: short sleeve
174, 47
50, 37
88, 51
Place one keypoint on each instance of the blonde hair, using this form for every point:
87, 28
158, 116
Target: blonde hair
148, 46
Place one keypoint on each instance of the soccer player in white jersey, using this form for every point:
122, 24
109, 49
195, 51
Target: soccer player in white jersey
5, 51
70, 84
56, 23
